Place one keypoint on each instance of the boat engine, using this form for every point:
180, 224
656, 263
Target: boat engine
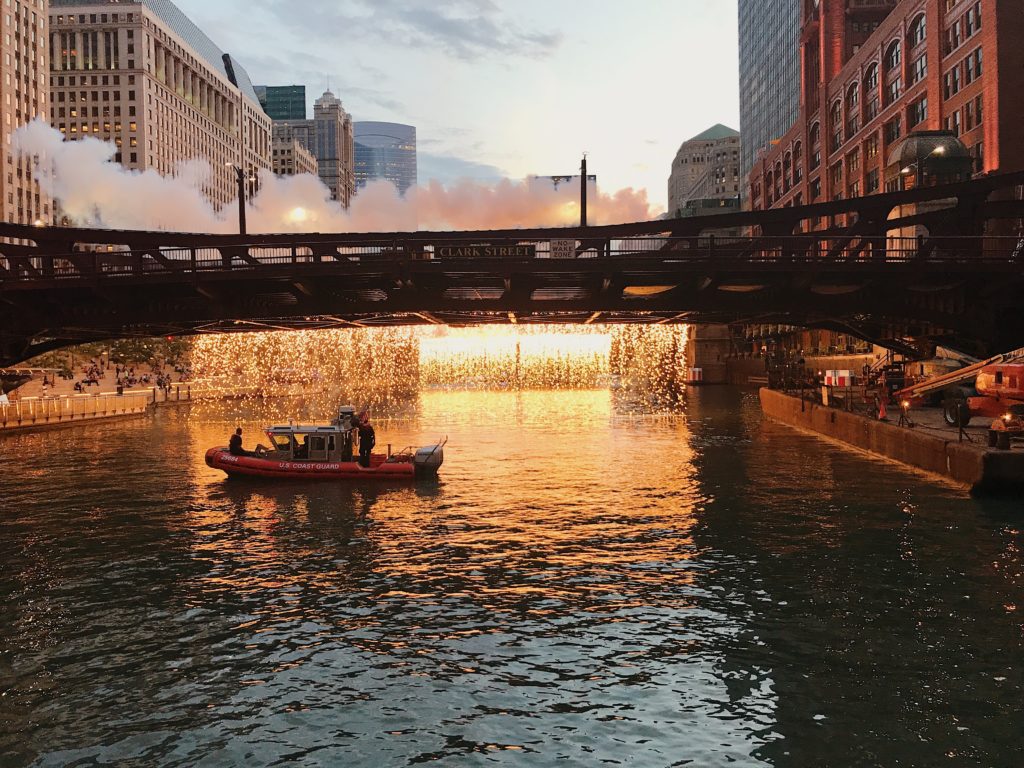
428, 460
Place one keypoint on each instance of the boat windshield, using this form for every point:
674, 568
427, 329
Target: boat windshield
281, 442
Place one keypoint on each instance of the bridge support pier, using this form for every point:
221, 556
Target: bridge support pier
707, 348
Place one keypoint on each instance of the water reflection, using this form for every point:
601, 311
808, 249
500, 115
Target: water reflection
585, 583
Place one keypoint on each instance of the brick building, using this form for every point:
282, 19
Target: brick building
874, 71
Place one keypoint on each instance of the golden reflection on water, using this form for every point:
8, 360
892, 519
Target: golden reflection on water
557, 483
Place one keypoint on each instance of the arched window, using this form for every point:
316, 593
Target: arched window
893, 56
778, 179
798, 159
835, 125
871, 99
852, 110
815, 152
871, 78
918, 32
787, 170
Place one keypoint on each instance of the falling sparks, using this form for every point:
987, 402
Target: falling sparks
381, 366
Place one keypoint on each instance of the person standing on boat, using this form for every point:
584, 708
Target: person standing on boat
367, 439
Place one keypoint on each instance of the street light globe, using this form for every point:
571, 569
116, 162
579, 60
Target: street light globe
298, 215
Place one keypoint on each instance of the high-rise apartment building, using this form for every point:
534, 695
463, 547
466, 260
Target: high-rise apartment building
706, 173
140, 74
873, 73
329, 137
386, 151
769, 45
283, 102
24, 61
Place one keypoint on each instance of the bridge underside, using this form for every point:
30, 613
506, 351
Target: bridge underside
927, 264
882, 303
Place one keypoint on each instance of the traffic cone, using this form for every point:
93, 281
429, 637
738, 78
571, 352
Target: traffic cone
882, 415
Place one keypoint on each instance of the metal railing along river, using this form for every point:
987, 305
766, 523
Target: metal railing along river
42, 411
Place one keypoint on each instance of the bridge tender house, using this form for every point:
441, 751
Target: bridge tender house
487, 251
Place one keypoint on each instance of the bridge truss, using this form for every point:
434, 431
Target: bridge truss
941, 263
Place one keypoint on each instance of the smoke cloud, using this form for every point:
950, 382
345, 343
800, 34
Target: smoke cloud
93, 190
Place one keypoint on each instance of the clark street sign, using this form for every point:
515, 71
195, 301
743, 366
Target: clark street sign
487, 251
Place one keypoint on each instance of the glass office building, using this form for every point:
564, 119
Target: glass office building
386, 151
283, 102
769, 42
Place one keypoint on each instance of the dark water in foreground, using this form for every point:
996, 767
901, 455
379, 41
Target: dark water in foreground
582, 587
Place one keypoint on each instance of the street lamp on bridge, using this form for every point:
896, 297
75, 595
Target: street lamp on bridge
584, 180
242, 178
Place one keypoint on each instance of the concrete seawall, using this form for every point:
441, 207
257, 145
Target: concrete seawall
979, 468
41, 413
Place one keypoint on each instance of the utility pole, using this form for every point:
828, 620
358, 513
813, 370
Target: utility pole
583, 193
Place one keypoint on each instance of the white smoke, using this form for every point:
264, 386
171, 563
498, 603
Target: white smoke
93, 190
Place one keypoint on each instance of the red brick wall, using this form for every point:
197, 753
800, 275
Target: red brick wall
1002, 87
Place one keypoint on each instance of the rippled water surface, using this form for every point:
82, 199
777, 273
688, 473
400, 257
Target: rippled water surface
581, 587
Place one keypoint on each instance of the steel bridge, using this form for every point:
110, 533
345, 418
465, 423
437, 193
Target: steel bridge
925, 263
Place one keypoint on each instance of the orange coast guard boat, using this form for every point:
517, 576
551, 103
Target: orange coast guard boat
325, 452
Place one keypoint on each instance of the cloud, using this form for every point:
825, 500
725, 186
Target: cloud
464, 29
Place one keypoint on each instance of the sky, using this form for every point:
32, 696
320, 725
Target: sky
505, 88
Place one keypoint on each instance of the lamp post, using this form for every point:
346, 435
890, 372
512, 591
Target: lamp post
241, 196
919, 164
583, 192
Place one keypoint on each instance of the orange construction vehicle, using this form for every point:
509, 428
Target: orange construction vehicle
989, 388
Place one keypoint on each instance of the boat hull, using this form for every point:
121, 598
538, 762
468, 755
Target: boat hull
259, 467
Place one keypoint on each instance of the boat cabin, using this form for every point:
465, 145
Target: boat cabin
332, 442
315, 442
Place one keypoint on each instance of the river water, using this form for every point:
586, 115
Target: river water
584, 585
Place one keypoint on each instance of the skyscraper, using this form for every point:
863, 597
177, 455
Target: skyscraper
141, 75
386, 151
769, 41
329, 137
26, 80
283, 102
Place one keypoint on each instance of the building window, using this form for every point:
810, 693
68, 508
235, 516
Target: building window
953, 123
893, 90
836, 125
917, 31
919, 69
871, 146
853, 163
893, 130
871, 183
836, 175
918, 112
954, 36
951, 83
893, 57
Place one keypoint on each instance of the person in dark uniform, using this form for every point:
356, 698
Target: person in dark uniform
367, 439
235, 444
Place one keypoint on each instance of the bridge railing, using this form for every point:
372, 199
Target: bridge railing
116, 262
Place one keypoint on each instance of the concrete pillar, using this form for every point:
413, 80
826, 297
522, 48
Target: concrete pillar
708, 348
